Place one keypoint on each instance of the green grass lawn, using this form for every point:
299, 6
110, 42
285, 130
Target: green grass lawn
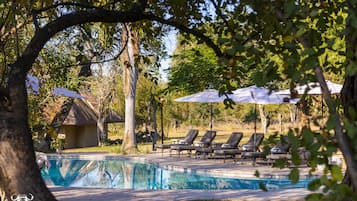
143, 148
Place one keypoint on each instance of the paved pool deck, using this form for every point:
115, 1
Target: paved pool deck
215, 167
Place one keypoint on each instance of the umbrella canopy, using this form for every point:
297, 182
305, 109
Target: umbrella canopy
260, 95
313, 88
206, 96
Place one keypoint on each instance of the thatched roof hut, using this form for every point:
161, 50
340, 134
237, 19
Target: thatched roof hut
80, 125
82, 113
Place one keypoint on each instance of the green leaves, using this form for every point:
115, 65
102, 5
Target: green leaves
336, 173
351, 69
290, 8
294, 175
301, 31
314, 197
314, 185
330, 124
330, 190
262, 187
194, 68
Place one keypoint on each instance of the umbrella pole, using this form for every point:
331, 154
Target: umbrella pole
211, 117
162, 123
255, 118
255, 125
322, 107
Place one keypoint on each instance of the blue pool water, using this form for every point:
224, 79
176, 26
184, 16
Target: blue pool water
128, 174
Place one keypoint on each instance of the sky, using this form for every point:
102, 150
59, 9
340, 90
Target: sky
170, 42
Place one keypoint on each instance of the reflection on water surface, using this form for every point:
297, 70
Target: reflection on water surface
123, 173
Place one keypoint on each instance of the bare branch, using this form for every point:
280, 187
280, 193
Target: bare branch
105, 60
5, 35
5, 22
13, 7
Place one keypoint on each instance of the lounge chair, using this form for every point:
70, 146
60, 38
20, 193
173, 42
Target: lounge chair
282, 151
282, 147
219, 150
205, 141
253, 143
188, 140
278, 151
251, 150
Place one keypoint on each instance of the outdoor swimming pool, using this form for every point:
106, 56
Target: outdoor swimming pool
128, 174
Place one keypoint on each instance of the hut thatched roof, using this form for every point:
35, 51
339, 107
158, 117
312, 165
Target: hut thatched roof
82, 112
113, 117
91, 100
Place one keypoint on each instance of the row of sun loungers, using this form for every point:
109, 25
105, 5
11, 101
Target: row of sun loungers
207, 148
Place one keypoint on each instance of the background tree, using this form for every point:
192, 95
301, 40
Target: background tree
101, 47
129, 62
193, 67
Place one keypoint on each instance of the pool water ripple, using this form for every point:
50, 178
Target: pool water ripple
129, 174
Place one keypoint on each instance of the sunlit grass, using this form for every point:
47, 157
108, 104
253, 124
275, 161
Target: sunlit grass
143, 148
107, 149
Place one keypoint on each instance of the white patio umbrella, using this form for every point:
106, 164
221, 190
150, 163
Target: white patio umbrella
260, 95
313, 88
206, 96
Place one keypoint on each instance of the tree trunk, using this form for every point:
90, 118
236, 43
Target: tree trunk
154, 115
128, 61
304, 108
349, 99
263, 119
293, 111
19, 173
102, 129
280, 118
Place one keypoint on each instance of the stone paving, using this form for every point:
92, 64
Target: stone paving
184, 163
